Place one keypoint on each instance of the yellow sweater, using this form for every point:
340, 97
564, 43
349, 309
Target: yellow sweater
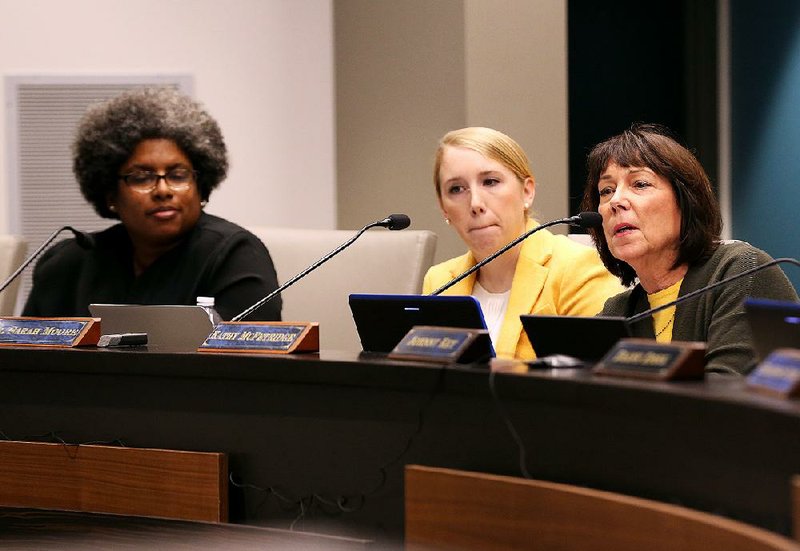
554, 276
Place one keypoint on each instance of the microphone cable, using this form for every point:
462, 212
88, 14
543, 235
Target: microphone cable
583, 220
522, 451
84, 240
342, 504
647, 313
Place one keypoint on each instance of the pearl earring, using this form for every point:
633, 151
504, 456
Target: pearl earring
112, 208
447, 221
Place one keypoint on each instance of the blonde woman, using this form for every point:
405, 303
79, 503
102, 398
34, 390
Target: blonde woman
485, 189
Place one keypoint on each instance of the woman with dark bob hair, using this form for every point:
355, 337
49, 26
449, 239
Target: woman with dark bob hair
661, 232
150, 158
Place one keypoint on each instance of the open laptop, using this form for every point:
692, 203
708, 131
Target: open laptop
585, 338
774, 324
176, 328
383, 320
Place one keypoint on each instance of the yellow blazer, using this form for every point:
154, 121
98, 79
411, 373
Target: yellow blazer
554, 276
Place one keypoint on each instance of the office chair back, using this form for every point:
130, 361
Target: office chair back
380, 261
12, 253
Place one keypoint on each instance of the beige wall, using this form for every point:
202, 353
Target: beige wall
407, 72
516, 54
264, 69
400, 84
306, 154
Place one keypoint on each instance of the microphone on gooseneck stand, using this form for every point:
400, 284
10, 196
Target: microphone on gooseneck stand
703, 290
392, 222
583, 220
83, 239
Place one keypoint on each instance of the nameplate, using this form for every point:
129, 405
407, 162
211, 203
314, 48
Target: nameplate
778, 373
648, 359
444, 345
273, 337
53, 332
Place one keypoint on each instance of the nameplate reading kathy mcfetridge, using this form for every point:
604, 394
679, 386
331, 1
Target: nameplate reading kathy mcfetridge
648, 359
272, 337
444, 345
53, 332
778, 374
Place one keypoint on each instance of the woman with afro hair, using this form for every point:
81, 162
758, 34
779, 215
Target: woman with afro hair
150, 158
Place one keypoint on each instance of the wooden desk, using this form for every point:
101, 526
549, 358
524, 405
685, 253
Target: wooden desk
41, 530
330, 426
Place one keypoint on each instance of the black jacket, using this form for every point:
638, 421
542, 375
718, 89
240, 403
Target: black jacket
216, 258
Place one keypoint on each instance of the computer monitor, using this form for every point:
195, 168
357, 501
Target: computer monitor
774, 324
176, 328
586, 338
383, 320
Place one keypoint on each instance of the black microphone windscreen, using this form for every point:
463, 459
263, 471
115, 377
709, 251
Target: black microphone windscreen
83, 239
398, 221
590, 219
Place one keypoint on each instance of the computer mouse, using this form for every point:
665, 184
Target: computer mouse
556, 361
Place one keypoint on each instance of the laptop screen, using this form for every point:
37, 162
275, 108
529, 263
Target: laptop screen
177, 328
383, 320
774, 324
586, 338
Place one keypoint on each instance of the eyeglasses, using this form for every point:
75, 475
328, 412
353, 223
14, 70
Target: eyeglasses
145, 181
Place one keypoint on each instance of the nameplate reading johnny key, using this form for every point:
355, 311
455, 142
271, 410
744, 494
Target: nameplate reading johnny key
444, 345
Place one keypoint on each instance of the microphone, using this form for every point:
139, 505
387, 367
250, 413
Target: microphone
392, 222
582, 220
83, 239
696, 293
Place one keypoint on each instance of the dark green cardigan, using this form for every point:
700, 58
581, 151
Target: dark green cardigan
716, 317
